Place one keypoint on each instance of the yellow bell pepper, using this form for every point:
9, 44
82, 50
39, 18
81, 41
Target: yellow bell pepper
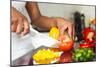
45, 56
54, 33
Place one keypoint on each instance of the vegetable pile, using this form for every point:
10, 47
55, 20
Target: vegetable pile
45, 56
83, 54
66, 52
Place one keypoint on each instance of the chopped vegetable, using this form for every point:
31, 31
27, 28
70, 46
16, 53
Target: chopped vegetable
87, 45
54, 33
83, 54
89, 35
45, 56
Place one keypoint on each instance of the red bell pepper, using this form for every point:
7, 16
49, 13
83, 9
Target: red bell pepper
87, 45
89, 35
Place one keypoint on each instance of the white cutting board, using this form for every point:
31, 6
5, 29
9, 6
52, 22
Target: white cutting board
20, 45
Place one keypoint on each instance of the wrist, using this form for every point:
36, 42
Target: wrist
59, 22
55, 23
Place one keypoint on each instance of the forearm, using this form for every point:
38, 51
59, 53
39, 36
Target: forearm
44, 22
37, 19
33, 10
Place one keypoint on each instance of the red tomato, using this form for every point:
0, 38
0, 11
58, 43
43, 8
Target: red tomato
66, 46
66, 43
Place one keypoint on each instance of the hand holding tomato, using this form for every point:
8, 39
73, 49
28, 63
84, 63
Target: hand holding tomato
66, 42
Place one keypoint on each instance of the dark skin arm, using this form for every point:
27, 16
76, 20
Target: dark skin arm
37, 18
45, 22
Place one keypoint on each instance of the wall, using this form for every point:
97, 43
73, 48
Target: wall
66, 11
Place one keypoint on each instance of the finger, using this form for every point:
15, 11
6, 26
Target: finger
70, 30
19, 26
26, 28
13, 20
14, 25
73, 31
63, 30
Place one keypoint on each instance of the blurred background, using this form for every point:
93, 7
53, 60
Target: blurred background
67, 10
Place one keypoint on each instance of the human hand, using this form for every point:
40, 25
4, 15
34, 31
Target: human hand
19, 22
65, 26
